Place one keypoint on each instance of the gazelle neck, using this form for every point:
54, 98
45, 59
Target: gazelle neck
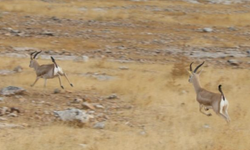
35, 64
196, 83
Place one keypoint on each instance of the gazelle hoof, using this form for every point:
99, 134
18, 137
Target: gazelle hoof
62, 87
71, 84
209, 114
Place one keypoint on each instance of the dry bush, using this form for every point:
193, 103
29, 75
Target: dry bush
180, 67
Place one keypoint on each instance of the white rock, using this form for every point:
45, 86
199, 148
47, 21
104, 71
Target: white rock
12, 90
73, 115
85, 58
99, 125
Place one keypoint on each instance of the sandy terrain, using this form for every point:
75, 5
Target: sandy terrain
140, 52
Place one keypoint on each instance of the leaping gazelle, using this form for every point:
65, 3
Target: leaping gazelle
209, 100
48, 71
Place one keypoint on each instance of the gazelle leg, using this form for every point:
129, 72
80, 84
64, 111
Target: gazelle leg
67, 79
209, 114
45, 81
226, 114
34, 82
60, 82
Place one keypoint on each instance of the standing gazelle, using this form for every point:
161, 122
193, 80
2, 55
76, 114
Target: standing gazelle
48, 71
209, 100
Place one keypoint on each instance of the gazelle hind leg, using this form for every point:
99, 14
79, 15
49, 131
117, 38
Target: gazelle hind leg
64, 74
226, 113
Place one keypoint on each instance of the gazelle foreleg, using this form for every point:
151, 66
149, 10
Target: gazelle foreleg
34, 82
60, 82
207, 114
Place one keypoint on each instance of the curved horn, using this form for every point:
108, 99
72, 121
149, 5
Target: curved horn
191, 67
36, 54
31, 54
198, 67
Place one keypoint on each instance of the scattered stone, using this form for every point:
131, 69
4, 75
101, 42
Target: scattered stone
12, 115
98, 106
113, 96
48, 33
14, 109
18, 69
12, 90
206, 126
1, 99
6, 72
207, 30
3, 119
56, 91
4, 110
88, 105
73, 115
85, 58
77, 100
99, 125
25, 49
248, 53
233, 62
101, 77
6, 125
123, 68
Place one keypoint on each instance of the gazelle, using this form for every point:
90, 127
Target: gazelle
209, 100
48, 71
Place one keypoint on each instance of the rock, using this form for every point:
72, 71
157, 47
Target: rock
77, 100
12, 115
48, 33
73, 115
98, 106
18, 69
6, 125
207, 30
14, 109
25, 49
85, 58
3, 110
99, 125
3, 119
248, 53
6, 72
206, 126
1, 99
56, 91
113, 96
123, 68
233, 62
12, 90
88, 105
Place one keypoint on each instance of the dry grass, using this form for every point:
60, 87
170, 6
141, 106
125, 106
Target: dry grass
164, 100
168, 112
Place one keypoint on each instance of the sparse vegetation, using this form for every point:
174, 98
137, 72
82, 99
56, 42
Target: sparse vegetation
161, 112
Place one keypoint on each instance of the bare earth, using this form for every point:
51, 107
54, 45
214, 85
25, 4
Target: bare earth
135, 80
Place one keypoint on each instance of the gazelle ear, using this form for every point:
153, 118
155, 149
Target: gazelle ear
189, 72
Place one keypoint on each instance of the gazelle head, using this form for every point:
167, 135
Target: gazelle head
194, 74
32, 59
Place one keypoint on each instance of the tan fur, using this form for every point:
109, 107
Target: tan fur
207, 99
48, 71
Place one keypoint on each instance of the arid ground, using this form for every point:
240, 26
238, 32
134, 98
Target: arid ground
139, 52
